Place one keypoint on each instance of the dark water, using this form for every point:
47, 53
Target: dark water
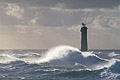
59, 63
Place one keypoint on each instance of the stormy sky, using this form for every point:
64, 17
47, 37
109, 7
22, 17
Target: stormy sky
36, 24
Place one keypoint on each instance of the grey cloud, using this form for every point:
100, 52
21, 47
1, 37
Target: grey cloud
45, 16
76, 4
9, 20
52, 18
69, 4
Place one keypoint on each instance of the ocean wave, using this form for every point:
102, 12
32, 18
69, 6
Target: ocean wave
63, 62
68, 56
60, 56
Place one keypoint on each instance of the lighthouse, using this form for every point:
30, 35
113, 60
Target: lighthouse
84, 45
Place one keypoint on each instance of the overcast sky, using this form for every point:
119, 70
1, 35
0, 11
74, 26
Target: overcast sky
36, 24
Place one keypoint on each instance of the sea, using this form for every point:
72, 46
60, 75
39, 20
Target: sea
59, 63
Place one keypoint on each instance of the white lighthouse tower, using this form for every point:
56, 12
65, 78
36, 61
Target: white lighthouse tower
84, 46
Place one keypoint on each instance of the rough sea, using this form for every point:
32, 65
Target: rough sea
59, 63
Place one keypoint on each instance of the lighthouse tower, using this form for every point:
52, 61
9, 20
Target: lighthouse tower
84, 46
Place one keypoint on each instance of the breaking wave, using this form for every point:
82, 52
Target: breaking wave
65, 61
59, 56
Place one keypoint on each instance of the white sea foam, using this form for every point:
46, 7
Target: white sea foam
60, 55
112, 54
67, 55
6, 58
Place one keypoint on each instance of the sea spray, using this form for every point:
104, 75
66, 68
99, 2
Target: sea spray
58, 52
59, 56
69, 56
67, 63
